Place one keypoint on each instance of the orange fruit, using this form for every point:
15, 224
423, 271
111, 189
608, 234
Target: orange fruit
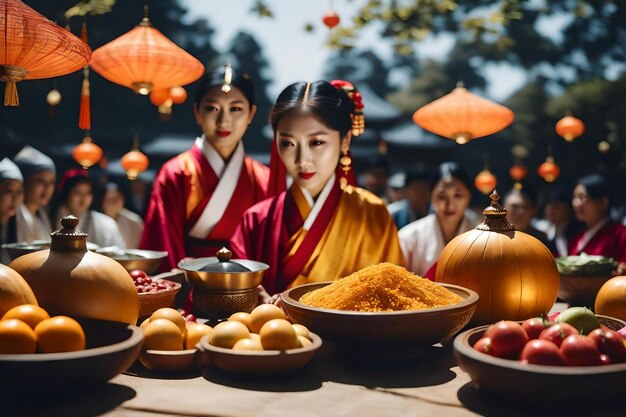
262, 314
171, 315
195, 332
16, 337
278, 334
60, 334
162, 334
304, 342
227, 333
241, 317
248, 344
301, 331
28, 313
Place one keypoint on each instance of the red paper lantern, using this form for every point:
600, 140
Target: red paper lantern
569, 128
134, 163
331, 19
485, 181
518, 172
463, 116
549, 170
87, 153
178, 95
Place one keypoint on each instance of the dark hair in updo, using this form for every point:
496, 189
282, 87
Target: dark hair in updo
597, 186
330, 105
215, 78
451, 170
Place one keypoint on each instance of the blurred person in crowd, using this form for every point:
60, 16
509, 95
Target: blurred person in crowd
423, 240
521, 207
199, 196
76, 195
558, 223
416, 202
395, 187
129, 223
591, 201
321, 227
11, 194
374, 178
39, 171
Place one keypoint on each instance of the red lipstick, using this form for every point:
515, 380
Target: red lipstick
223, 133
306, 175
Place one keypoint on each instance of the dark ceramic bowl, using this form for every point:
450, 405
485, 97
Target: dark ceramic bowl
261, 362
581, 289
112, 347
395, 329
537, 383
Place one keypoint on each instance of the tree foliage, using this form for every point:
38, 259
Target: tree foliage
506, 31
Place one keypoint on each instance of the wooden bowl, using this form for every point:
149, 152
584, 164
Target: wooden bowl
581, 289
394, 329
149, 302
112, 347
537, 383
173, 361
261, 362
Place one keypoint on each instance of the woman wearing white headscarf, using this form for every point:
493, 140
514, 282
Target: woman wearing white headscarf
11, 194
33, 223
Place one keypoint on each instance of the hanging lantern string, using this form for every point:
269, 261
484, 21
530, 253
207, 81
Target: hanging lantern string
84, 113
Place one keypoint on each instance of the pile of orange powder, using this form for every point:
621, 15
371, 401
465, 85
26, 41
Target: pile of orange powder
382, 287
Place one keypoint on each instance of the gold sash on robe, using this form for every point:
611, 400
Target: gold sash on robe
361, 233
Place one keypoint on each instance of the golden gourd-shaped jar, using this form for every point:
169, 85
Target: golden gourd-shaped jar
69, 280
513, 273
13, 290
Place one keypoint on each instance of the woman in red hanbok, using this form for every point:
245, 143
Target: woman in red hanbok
199, 196
321, 228
591, 203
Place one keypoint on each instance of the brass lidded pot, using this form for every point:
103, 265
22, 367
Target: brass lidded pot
69, 280
222, 286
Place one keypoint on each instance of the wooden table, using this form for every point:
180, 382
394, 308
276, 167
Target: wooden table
428, 385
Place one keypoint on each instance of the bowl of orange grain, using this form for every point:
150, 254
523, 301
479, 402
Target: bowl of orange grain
381, 306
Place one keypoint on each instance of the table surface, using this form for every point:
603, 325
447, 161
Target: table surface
333, 384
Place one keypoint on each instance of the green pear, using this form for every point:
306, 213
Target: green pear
581, 318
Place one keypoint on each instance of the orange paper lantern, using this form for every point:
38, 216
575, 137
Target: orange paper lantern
134, 163
549, 170
518, 172
178, 95
485, 181
158, 97
569, 128
145, 60
331, 19
87, 153
463, 116
32, 47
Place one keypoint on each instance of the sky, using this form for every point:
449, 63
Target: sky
295, 55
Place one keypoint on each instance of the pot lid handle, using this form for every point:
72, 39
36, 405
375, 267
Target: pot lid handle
224, 255
69, 237
495, 216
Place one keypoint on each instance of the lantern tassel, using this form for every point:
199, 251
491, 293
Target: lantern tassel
84, 115
10, 94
